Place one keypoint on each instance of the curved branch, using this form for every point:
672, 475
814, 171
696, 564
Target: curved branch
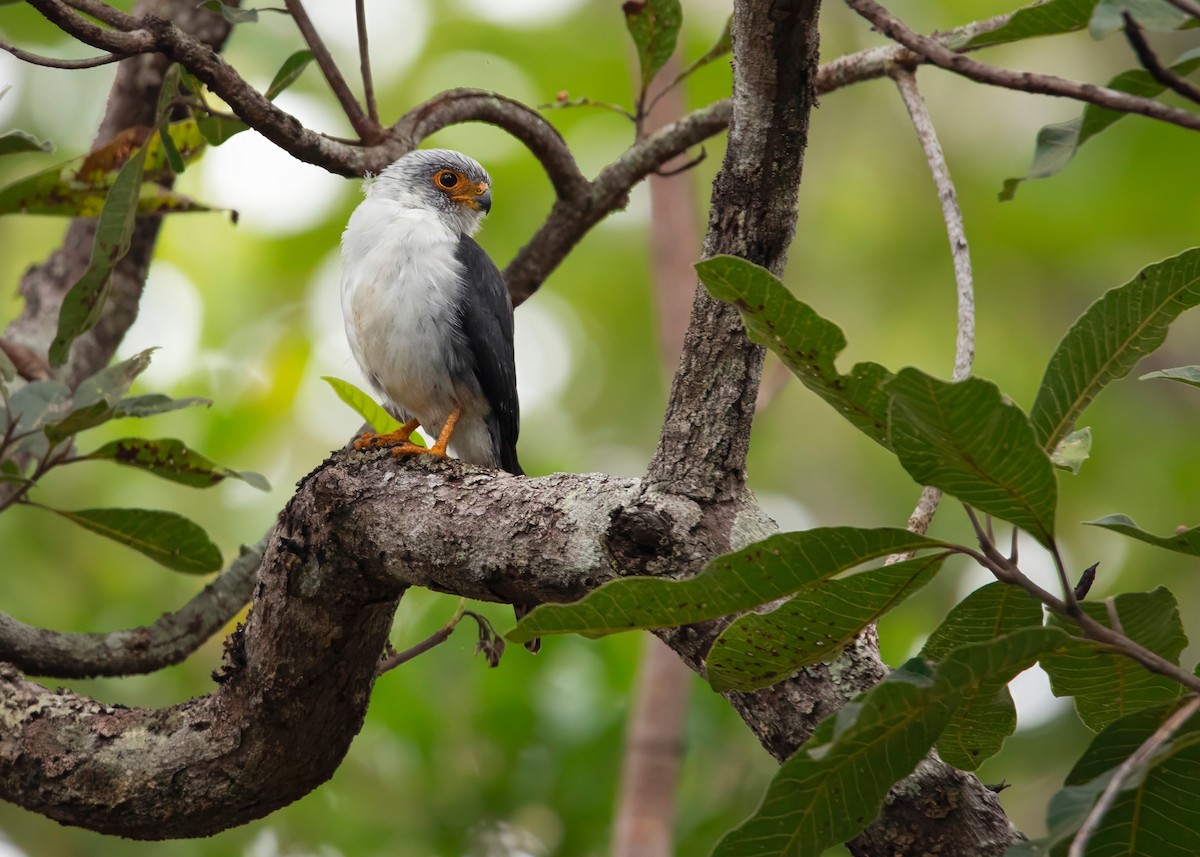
51, 62
169, 640
1025, 81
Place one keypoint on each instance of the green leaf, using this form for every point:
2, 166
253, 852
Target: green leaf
83, 305
363, 405
1108, 340
1039, 19
96, 396
289, 73
974, 444
1183, 540
232, 14
986, 716
151, 404
38, 404
759, 649
720, 48
804, 341
825, 795
16, 142
171, 459
1057, 144
1189, 375
1149, 14
171, 151
1148, 815
758, 574
7, 370
654, 27
1073, 450
1107, 686
78, 187
167, 538
217, 129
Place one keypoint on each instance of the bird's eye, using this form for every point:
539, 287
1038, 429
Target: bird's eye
447, 179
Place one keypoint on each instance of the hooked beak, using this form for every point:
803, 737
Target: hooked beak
484, 200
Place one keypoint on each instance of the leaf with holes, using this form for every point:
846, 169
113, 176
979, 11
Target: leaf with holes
974, 444
171, 459
807, 343
1108, 340
759, 574
1107, 686
759, 649
167, 538
1183, 540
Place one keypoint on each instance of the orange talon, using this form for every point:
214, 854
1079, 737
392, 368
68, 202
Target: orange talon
439, 447
377, 441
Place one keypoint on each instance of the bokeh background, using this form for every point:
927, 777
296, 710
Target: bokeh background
459, 759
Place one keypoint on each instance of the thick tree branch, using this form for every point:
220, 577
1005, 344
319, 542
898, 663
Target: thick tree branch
169, 640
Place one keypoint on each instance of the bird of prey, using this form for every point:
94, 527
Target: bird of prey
427, 312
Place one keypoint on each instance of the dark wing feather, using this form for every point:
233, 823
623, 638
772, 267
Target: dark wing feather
487, 321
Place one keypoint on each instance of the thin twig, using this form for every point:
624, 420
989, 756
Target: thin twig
364, 60
1023, 81
964, 348
1114, 619
369, 131
1150, 62
435, 639
1125, 770
51, 62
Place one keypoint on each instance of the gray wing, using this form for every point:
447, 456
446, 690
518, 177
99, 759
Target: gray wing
487, 321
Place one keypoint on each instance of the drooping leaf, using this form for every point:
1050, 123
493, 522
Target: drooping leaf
804, 341
825, 795
1108, 340
167, 538
16, 142
150, 404
1057, 144
759, 649
654, 26
38, 404
1073, 450
363, 405
171, 459
1189, 375
974, 444
289, 73
758, 574
1108, 17
83, 304
1107, 686
1039, 19
1183, 540
1149, 815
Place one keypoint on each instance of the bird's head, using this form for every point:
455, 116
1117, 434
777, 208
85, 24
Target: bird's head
448, 183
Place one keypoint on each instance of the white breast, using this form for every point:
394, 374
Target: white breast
400, 283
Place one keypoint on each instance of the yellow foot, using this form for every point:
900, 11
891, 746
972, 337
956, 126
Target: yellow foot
378, 441
413, 449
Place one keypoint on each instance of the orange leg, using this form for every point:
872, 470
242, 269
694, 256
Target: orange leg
439, 446
377, 441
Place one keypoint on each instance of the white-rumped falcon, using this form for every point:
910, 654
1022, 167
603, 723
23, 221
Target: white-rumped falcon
427, 312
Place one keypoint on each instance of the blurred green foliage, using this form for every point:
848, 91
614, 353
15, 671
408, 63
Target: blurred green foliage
248, 316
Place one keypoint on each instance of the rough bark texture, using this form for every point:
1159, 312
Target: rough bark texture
301, 672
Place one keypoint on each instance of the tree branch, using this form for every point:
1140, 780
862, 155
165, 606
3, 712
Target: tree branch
51, 62
1025, 81
169, 640
1150, 62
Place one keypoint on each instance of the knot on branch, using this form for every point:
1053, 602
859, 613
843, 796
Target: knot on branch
640, 538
